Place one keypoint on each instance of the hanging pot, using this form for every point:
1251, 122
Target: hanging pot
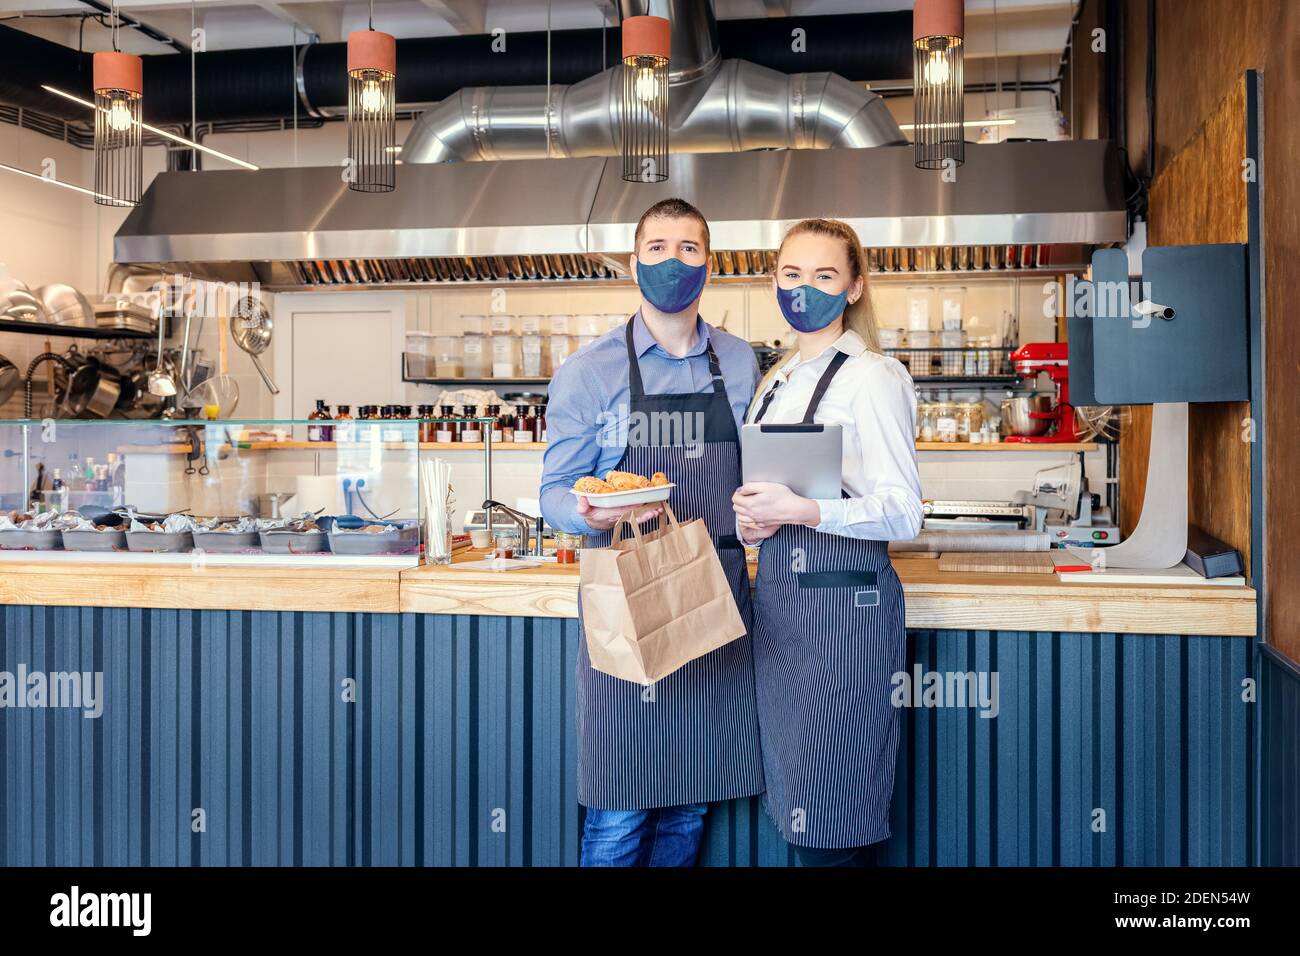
94, 389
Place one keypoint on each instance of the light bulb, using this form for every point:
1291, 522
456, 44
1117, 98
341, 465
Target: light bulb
646, 86
936, 71
372, 97
119, 116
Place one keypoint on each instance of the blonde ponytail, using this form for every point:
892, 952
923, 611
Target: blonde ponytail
859, 316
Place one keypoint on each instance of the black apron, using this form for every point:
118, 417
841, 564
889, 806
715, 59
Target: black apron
691, 737
829, 635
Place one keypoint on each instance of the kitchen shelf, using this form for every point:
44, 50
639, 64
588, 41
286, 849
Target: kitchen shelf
541, 382
71, 331
1009, 446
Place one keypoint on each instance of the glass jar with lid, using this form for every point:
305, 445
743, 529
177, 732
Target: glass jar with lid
504, 542
945, 422
567, 547
925, 416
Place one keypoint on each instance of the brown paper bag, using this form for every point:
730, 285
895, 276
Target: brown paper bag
656, 601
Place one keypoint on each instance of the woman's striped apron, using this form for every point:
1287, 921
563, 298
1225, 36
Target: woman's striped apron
828, 637
691, 737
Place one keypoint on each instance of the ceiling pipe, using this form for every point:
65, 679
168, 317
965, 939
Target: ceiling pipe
715, 106
258, 84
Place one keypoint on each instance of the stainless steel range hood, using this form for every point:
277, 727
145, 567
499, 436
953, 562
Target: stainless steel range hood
574, 218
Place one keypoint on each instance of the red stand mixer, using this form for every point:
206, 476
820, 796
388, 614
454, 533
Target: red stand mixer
1052, 358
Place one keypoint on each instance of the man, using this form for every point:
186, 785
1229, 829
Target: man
664, 393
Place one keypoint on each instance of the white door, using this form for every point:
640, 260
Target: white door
343, 347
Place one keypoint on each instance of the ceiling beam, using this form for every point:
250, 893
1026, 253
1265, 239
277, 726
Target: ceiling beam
464, 16
285, 15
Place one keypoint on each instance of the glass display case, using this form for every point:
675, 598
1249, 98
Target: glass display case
301, 492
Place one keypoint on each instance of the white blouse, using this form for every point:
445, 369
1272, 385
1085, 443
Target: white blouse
872, 397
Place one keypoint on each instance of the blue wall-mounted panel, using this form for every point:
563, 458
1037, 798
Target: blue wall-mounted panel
459, 747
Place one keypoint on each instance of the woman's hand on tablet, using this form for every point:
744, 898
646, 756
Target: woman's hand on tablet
764, 503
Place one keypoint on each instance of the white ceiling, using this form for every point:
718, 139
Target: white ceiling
1029, 38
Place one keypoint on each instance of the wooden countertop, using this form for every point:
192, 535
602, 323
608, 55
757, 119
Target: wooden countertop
935, 599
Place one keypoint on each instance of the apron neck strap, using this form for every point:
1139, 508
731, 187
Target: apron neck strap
823, 383
637, 387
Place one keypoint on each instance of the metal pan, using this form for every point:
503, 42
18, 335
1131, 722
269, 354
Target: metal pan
85, 540
295, 542
159, 541
397, 541
20, 540
226, 542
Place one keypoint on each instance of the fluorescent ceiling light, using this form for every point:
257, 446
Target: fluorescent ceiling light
56, 182
158, 132
971, 123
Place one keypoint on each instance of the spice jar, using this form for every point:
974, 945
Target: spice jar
315, 431
494, 412
471, 430
539, 424
945, 422
427, 427
524, 424
504, 541
448, 429
566, 547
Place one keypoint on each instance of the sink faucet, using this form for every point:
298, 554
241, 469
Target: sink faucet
527, 524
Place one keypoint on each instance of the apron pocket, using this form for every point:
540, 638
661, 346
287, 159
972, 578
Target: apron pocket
728, 542
861, 584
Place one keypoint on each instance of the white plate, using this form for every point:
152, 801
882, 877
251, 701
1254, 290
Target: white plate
623, 499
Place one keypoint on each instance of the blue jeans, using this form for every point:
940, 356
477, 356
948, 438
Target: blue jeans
667, 836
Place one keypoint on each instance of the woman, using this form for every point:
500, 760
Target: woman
828, 614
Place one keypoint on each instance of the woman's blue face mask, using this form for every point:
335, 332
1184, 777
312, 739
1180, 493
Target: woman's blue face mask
809, 309
671, 285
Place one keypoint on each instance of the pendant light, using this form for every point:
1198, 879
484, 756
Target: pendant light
372, 107
643, 113
118, 79
938, 83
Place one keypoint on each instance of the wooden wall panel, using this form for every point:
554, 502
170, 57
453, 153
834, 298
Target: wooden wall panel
1281, 80
1199, 197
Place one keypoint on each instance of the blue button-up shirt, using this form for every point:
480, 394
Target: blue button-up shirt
590, 399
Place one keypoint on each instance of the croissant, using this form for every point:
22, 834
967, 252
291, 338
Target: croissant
658, 480
626, 480
592, 485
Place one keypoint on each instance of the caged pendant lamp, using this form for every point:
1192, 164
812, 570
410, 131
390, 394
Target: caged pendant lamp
118, 79
938, 83
372, 131
643, 113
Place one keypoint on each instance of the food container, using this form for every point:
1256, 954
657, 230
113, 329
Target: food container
113, 539
591, 325
474, 348
447, 360
567, 547
398, 540
505, 356
925, 416
473, 324
614, 320
532, 352
43, 539
505, 542
419, 355
921, 356
892, 338
561, 349
560, 324
637, 496
945, 422
530, 324
294, 542
226, 542
501, 324
954, 304
918, 307
953, 360
159, 541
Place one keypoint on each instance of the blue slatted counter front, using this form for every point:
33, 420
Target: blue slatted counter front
264, 738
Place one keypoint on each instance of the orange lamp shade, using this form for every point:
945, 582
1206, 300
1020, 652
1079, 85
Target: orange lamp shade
647, 36
938, 18
372, 50
118, 71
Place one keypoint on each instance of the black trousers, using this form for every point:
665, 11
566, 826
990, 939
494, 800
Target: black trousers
847, 856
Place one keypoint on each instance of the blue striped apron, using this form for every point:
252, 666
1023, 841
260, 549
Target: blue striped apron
691, 737
828, 637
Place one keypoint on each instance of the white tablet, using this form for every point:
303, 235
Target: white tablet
804, 458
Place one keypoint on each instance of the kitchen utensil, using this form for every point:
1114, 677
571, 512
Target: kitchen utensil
221, 390
268, 505
64, 305
10, 379
19, 305
122, 314
93, 389
250, 327
161, 383
1019, 415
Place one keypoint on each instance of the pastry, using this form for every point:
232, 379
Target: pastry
626, 480
659, 480
592, 485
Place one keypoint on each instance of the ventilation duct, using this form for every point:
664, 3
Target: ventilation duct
715, 106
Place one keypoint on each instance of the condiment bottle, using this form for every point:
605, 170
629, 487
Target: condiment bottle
539, 424
426, 423
524, 423
504, 541
471, 430
344, 432
494, 412
448, 430
566, 547
317, 432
